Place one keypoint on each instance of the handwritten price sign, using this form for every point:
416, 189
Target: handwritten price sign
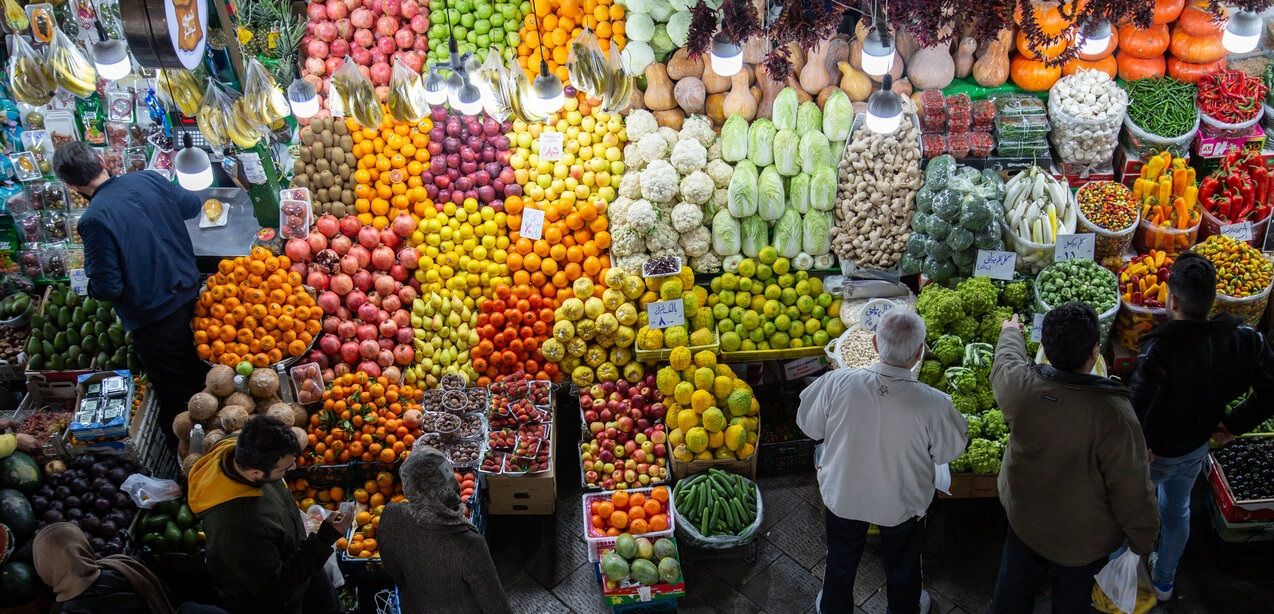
873, 311
79, 281
550, 145
995, 264
1075, 247
663, 314
1037, 328
532, 224
1241, 231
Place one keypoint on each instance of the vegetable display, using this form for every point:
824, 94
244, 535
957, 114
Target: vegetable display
1241, 189
957, 214
876, 195
717, 503
765, 306
1086, 110
1078, 281
636, 561
1037, 208
1108, 210
1231, 96
72, 332
1168, 195
1143, 290
170, 527
1241, 270
1162, 106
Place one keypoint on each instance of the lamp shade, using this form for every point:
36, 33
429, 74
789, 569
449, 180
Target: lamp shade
727, 56
1243, 32
547, 95
467, 100
884, 112
878, 54
110, 57
1096, 38
303, 99
435, 88
193, 168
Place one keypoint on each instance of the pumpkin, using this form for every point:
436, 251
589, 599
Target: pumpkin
1131, 67
1167, 11
1148, 43
1190, 72
1049, 18
1048, 52
1106, 65
1104, 53
1197, 20
1033, 75
992, 69
1196, 49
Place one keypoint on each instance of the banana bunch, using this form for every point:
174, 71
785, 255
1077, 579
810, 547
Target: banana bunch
359, 98
587, 66
71, 69
406, 98
31, 78
617, 91
263, 99
211, 121
239, 127
181, 88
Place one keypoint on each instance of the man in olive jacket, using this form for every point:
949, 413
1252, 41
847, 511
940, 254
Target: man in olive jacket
1075, 482
259, 556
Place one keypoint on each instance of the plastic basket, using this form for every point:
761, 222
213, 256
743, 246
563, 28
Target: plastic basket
1134, 322
1210, 126
662, 354
1150, 236
1250, 309
1109, 246
785, 457
597, 541
1144, 144
1211, 225
1105, 320
687, 532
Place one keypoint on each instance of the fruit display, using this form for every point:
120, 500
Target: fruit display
624, 512
325, 163
75, 332
478, 26
1246, 464
170, 527
763, 306
361, 542
468, 482
556, 23
699, 331
517, 433
373, 35
626, 441
513, 326
228, 400
87, 493
717, 503
1243, 276
32, 79
593, 335
636, 561
17, 305
13, 342
713, 413
451, 334
363, 418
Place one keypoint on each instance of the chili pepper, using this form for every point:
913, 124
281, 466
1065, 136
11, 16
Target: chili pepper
1237, 205
1207, 188
1261, 179
1221, 207
1178, 180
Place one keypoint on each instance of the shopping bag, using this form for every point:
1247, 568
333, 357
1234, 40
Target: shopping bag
146, 492
312, 519
263, 99
1118, 580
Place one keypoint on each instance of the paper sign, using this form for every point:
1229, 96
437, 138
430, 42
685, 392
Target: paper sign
532, 224
1241, 231
1075, 247
873, 311
550, 145
79, 282
801, 367
1037, 328
252, 167
663, 314
995, 264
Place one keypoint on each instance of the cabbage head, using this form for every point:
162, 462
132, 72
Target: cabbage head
742, 193
808, 117
770, 197
784, 110
787, 152
816, 152
755, 235
817, 237
734, 139
761, 142
823, 189
799, 193
726, 234
789, 233
838, 116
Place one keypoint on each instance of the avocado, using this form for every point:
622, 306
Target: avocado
104, 314
134, 364
49, 330
169, 507
72, 336
72, 299
103, 342
87, 330
185, 518
19, 306
46, 348
172, 535
102, 359
79, 317
59, 342
155, 523
64, 318
57, 299
189, 541
90, 305
116, 333
35, 362
119, 359
57, 362
33, 346
37, 322
99, 327
89, 343
155, 541
84, 361
73, 353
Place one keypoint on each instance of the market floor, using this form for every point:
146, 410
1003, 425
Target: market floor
544, 565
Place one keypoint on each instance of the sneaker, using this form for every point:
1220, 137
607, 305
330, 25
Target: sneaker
925, 601
1163, 592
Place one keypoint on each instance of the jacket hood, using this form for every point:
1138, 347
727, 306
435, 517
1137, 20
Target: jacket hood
1194, 328
209, 484
1082, 381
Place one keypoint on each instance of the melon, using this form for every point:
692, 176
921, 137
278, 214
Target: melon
626, 546
18, 584
644, 572
665, 548
6, 543
16, 513
614, 566
670, 570
20, 472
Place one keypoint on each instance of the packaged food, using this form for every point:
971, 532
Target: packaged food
933, 144
984, 115
958, 145
981, 144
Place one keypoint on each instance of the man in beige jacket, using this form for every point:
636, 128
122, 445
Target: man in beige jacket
1075, 481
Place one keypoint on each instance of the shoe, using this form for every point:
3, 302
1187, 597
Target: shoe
818, 602
1163, 592
925, 601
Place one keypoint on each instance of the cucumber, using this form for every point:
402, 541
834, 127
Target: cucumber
705, 520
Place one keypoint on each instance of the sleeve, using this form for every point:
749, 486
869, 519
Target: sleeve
101, 261
187, 202
272, 574
483, 581
1149, 381
1010, 371
811, 416
1121, 458
949, 434
1259, 406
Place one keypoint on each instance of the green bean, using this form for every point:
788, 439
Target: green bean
1162, 106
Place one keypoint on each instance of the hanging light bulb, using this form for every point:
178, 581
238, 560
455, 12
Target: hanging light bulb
548, 93
884, 109
303, 99
466, 100
878, 53
192, 166
1096, 38
435, 88
1242, 33
727, 56
110, 57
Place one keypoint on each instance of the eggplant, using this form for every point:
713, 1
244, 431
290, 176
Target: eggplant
52, 516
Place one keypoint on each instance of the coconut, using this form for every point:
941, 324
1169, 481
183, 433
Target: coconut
302, 416
242, 399
212, 437
182, 426
263, 383
281, 412
263, 405
189, 462
301, 437
183, 448
233, 417
202, 406
220, 380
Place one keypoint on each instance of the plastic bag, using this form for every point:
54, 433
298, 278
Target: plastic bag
212, 119
406, 98
357, 95
586, 65
723, 542
263, 99
619, 84
1118, 580
181, 89
493, 78
30, 75
146, 492
71, 68
312, 519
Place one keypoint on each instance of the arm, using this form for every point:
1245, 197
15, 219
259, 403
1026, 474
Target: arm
811, 416
1121, 458
101, 261
1010, 371
1258, 406
187, 202
271, 574
1149, 382
949, 434
483, 581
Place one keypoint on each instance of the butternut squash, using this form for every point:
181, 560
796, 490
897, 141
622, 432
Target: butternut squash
964, 56
932, 68
856, 54
756, 94
713, 107
690, 95
801, 94
739, 101
672, 118
637, 100
714, 83
906, 45
992, 69
659, 95
838, 53
681, 65
813, 76
769, 90
757, 47
855, 82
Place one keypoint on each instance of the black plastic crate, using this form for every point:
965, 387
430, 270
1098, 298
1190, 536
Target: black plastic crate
786, 457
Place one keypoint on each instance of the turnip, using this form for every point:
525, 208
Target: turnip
362, 18
316, 49
336, 9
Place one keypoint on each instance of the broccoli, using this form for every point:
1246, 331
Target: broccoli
978, 295
965, 328
1016, 294
939, 305
983, 456
964, 402
989, 331
931, 373
993, 425
949, 350
986, 397
964, 380
975, 427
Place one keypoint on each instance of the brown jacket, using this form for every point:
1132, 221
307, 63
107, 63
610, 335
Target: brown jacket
1075, 481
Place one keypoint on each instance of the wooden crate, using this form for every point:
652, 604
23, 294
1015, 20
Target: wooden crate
972, 486
746, 468
526, 495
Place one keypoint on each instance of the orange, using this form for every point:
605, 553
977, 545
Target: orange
620, 499
638, 526
659, 522
605, 509
652, 507
618, 520
659, 493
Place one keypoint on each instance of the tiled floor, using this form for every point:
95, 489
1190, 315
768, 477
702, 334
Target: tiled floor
544, 566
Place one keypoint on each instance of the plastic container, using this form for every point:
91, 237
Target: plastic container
1267, 120
1210, 126
1022, 127
1249, 308
1022, 149
1019, 105
1032, 257
1211, 225
1109, 246
1145, 144
1105, 320
1134, 322
590, 532
1171, 240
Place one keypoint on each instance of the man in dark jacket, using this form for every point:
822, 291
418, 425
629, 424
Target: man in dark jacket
1189, 369
1074, 482
137, 255
259, 557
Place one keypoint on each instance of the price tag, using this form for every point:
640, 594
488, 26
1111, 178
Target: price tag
873, 311
663, 314
532, 224
252, 167
1037, 328
1075, 247
1241, 231
79, 282
550, 145
801, 367
995, 264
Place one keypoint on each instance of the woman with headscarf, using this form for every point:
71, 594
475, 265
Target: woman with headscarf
84, 584
435, 555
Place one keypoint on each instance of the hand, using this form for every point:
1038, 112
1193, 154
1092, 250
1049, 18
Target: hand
1222, 434
1150, 455
27, 443
1012, 323
340, 522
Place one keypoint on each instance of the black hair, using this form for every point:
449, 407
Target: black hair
1193, 285
1070, 332
77, 163
262, 442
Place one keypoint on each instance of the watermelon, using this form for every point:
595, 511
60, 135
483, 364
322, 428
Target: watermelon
16, 513
18, 584
6, 543
20, 472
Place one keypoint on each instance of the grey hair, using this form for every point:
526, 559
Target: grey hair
900, 334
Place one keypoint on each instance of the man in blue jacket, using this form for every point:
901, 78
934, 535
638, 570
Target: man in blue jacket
137, 255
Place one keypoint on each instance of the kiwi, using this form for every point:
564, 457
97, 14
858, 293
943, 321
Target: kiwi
337, 209
298, 166
301, 181
339, 129
317, 150
305, 155
347, 197
325, 179
333, 193
327, 139
322, 165
310, 170
347, 143
307, 136
343, 171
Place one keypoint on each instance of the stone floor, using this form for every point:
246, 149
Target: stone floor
543, 562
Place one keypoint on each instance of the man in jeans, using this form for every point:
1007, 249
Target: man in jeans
1074, 483
1190, 368
883, 432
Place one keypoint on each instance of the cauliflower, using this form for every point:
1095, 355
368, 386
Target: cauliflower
630, 186
632, 263
641, 216
697, 242
714, 150
669, 135
721, 198
688, 156
686, 217
699, 128
633, 158
617, 212
671, 252
661, 238
652, 147
696, 188
707, 263
639, 123
626, 241
720, 171
659, 182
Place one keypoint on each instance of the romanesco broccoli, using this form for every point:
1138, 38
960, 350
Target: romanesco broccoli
939, 305
965, 328
989, 331
960, 464
986, 397
1016, 294
963, 380
983, 456
978, 295
975, 427
994, 426
931, 373
949, 350
964, 402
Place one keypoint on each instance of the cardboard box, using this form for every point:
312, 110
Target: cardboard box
1215, 147
972, 486
528, 495
1231, 509
1238, 532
